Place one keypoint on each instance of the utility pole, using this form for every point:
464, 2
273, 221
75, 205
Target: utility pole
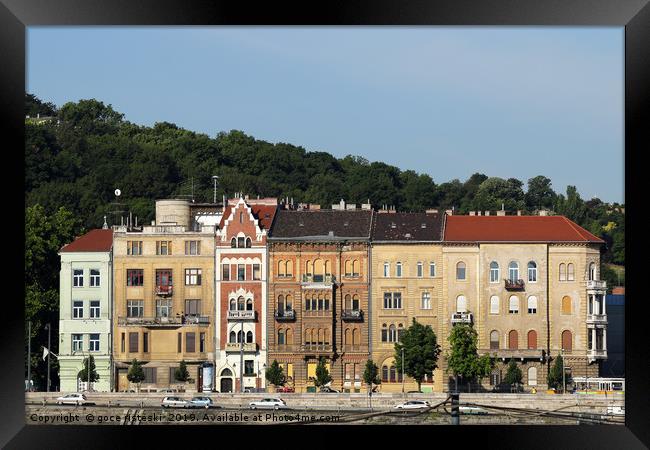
29, 355
49, 350
215, 178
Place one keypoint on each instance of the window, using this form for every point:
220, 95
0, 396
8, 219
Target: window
356, 303
163, 308
179, 342
133, 342
241, 272
248, 242
163, 247
122, 343
420, 269
192, 247
348, 268
77, 309
94, 278
384, 374
494, 272
494, 304
513, 271
570, 272
513, 340
145, 342
202, 342
241, 304
164, 277
78, 342
398, 269
532, 305
562, 272
392, 300
225, 272
567, 340
77, 278
249, 368
193, 277
281, 336
392, 333
192, 307
94, 309
386, 270
134, 308
592, 271
426, 300
249, 305
257, 271
461, 304
494, 340
532, 376
495, 377
134, 248
189, 342
356, 268
289, 269
432, 269
384, 333
241, 242
513, 305
149, 374
249, 337
233, 243
532, 272
460, 271
134, 277
566, 305
532, 340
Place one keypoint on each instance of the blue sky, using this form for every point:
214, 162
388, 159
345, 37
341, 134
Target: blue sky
447, 101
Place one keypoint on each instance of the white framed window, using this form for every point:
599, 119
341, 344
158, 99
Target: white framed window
494, 272
77, 309
532, 376
392, 300
386, 270
432, 269
592, 271
78, 278
420, 269
570, 272
426, 300
77, 342
163, 308
532, 272
93, 343
94, 309
192, 247
134, 308
494, 304
461, 304
398, 269
562, 272
513, 271
461, 271
513, 305
94, 278
193, 277
532, 305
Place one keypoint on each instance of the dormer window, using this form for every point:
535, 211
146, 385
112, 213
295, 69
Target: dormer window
424, 225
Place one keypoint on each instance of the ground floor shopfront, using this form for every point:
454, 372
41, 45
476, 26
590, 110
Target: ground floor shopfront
69, 367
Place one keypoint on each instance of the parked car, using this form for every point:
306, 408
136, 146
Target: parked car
173, 402
328, 390
285, 389
472, 410
72, 399
200, 402
268, 403
413, 404
616, 410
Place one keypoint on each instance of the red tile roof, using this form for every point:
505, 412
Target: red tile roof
94, 241
515, 229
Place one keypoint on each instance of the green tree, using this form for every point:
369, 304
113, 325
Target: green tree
463, 358
555, 375
135, 373
513, 374
83, 373
571, 206
421, 351
494, 192
35, 106
322, 374
181, 373
371, 374
540, 194
275, 374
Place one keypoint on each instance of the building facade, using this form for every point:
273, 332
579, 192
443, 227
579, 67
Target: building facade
406, 285
319, 279
85, 310
164, 299
241, 259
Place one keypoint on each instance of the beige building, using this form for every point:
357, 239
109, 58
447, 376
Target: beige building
164, 297
407, 281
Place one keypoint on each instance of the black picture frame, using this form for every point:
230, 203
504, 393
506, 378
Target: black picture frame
634, 15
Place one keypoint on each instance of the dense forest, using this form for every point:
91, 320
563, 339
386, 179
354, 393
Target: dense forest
76, 156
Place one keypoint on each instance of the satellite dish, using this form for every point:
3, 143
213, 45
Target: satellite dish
117, 192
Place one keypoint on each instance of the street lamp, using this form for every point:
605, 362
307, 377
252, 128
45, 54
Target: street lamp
402, 369
563, 372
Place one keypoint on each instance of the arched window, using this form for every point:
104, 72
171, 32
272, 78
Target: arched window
356, 268
513, 305
327, 336
400, 332
226, 373
240, 337
249, 304
289, 272
460, 271
281, 337
392, 373
320, 336
392, 333
567, 340
241, 242
289, 303
532, 376
232, 338
562, 272
348, 301
592, 271
282, 269
420, 267
280, 302
494, 340
249, 337
494, 272
532, 272
532, 305
328, 268
532, 340
355, 302
494, 304
309, 268
513, 340
289, 336
319, 269
566, 305
384, 333
348, 268
348, 335
248, 242
384, 374
386, 272
513, 271
233, 243
240, 303
308, 336
570, 272
398, 269
356, 337
233, 304
461, 304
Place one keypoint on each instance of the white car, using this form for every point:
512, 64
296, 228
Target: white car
268, 403
472, 410
413, 404
72, 399
173, 402
615, 410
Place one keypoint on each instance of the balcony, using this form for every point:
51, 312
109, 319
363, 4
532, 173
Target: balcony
175, 321
235, 347
596, 354
596, 319
505, 354
164, 291
196, 320
514, 285
241, 315
461, 317
317, 281
596, 285
352, 315
285, 315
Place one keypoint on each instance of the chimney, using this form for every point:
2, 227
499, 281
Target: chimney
342, 204
519, 212
153, 223
543, 212
472, 213
487, 213
501, 212
478, 213
449, 212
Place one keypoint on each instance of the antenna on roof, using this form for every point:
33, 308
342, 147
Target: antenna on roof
105, 226
116, 207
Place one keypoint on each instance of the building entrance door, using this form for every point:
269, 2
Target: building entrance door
122, 381
226, 385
